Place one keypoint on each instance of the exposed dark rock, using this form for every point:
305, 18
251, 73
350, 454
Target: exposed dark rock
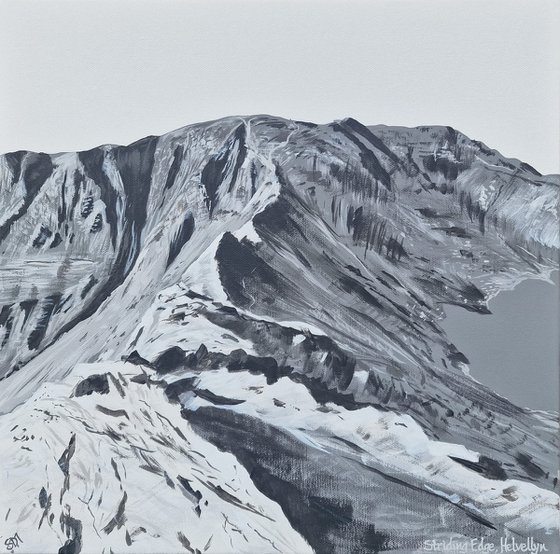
97, 224
44, 234
181, 238
217, 399
170, 360
491, 469
175, 166
94, 383
135, 358
49, 305
175, 389
119, 519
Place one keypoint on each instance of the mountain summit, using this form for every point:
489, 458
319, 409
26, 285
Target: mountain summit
242, 317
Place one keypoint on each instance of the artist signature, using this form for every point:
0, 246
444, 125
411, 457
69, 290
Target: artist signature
13, 542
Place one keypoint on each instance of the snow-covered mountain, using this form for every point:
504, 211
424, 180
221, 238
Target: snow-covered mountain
228, 339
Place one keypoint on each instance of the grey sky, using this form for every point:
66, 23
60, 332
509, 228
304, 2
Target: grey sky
79, 73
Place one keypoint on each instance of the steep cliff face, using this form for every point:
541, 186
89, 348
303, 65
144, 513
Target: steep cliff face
281, 256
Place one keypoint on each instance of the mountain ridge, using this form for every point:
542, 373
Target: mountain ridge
264, 115
287, 254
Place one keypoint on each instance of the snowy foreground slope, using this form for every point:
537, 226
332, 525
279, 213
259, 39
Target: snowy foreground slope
227, 339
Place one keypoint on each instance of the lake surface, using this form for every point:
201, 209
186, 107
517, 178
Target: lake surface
515, 350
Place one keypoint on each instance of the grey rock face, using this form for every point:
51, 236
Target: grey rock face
319, 255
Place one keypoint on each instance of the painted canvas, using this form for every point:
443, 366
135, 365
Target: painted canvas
266, 334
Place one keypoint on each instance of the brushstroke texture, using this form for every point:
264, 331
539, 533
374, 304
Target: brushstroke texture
243, 317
